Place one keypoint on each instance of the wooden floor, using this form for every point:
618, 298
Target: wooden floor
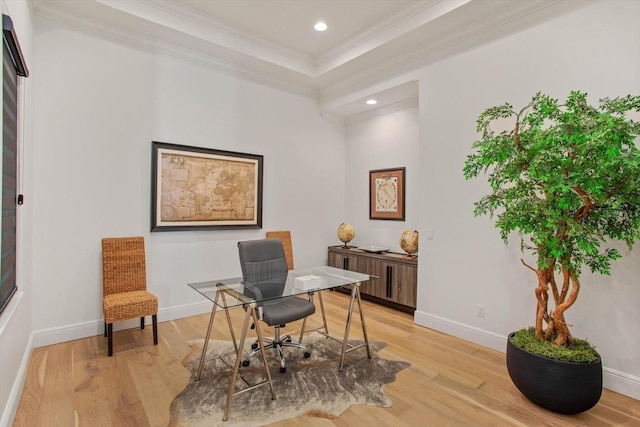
451, 382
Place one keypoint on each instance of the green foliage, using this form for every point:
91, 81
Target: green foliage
565, 177
580, 351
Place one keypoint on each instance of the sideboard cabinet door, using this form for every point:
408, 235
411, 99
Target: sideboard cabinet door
404, 284
373, 267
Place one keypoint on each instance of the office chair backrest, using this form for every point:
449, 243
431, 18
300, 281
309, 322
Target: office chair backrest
263, 261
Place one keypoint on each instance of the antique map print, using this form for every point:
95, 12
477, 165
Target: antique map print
199, 187
387, 194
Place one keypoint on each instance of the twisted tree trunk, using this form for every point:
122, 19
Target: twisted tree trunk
556, 326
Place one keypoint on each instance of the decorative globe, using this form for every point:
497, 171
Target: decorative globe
346, 233
409, 242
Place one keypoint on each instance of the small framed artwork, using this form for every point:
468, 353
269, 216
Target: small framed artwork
386, 194
195, 188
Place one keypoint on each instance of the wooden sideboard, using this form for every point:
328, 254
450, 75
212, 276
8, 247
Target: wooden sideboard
398, 275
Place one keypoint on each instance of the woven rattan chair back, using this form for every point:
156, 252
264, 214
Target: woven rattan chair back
285, 237
123, 265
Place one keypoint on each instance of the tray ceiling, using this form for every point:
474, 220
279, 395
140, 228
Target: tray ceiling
371, 47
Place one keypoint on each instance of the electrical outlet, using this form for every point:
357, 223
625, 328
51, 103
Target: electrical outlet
480, 312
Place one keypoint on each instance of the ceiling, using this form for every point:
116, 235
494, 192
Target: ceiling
372, 48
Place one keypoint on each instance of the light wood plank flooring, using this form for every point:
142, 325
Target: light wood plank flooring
451, 382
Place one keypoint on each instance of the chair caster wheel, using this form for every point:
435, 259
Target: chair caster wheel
254, 346
283, 370
245, 363
307, 354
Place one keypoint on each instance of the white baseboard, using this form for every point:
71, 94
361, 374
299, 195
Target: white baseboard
96, 327
620, 382
460, 330
613, 380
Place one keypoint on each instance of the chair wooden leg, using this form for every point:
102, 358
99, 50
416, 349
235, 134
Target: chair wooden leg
105, 329
154, 321
142, 322
110, 339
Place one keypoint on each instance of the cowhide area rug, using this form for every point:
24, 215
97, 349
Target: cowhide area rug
313, 386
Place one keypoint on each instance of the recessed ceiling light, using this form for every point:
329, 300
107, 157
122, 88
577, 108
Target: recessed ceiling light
320, 26
372, 102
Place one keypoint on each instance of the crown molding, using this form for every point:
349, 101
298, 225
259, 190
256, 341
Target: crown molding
483, 29
188, 21
153, 46
383, 111
231, 37
184, 11
393, 27
333, 118
330, 103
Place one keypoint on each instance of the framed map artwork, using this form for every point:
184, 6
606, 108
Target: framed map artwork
200, 188
386, 194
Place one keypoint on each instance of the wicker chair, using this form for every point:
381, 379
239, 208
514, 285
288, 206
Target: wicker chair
124, 285
285, 237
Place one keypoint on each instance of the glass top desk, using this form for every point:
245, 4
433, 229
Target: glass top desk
231, 293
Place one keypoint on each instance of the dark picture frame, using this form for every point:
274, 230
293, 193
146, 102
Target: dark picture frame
387, 194
196, 188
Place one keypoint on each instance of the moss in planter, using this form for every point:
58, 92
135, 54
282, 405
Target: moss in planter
579, 352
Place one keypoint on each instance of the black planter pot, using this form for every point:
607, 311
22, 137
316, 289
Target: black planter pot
563, 387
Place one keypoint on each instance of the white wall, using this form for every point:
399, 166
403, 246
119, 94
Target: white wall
99, 104
383, 142
594, 49
15, 320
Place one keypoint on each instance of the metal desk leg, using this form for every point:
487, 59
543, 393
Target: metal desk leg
324, 319
364, 327
264, 354
206, 339
251, 313
236, 366
226, 312
355, 295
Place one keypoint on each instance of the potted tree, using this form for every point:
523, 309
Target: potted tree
564, 177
